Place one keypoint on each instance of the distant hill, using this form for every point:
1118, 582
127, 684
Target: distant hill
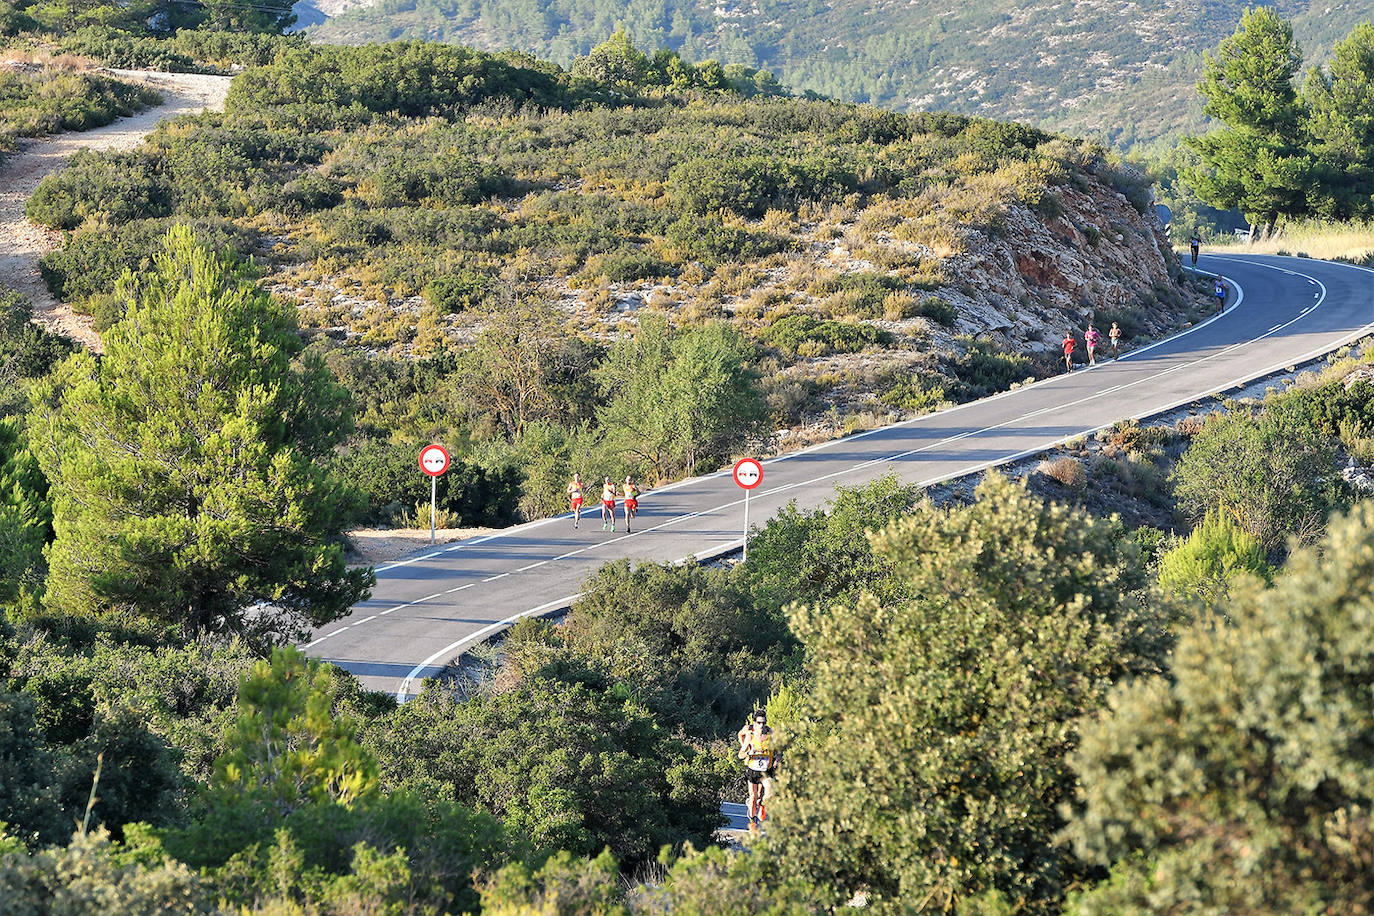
1121, 71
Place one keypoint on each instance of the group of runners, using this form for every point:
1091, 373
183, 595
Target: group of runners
628, 493
1194, 243
1092, 339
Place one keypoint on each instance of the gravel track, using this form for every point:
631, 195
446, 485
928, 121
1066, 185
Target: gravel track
22, 243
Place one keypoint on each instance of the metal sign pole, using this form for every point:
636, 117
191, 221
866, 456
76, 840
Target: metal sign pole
746, 527
433, 488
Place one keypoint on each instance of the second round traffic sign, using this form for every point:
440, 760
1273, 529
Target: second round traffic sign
434, 460
748, 473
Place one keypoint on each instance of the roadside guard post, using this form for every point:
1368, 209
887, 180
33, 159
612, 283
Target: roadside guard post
434, 461
748, 473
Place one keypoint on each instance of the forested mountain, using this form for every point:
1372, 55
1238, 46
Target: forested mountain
1124, 71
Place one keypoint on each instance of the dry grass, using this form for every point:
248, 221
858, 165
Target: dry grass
1066, 469
1324, 240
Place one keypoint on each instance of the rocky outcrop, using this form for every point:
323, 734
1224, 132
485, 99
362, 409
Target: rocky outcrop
1036, 277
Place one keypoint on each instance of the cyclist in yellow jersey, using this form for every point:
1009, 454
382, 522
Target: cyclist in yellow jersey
608, 505
575, 498
631, 501
760, 756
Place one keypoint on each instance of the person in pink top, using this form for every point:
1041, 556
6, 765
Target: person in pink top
1090, 337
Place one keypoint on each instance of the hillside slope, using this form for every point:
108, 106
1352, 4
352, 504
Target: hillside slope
1124, 71
438, 234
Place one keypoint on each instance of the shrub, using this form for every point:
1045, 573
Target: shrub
117, 187
1210, 557
983, 369
391, 482
89, 262
1066, 469
910, 393
457, 292
792, 334
1271, 471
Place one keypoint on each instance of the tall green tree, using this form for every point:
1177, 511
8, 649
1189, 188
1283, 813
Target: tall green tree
934, 767
680, 400
186, 464
1258, 162
1244, 780
1340, 100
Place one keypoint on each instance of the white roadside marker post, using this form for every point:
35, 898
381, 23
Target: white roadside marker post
748, 474
434, 460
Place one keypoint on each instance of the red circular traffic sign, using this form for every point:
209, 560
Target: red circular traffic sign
434, 460
748, 473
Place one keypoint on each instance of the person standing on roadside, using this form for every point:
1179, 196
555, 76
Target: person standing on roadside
1194, 243
1115, 335
1090, 337
1069, 344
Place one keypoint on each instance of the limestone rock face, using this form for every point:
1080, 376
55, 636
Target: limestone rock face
1035, 278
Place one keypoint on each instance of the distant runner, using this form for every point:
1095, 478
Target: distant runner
608, 505
1115, 335
631, 502
1069, 344
760, 758
1090, 337
1194, 242
575, 498
1221, 294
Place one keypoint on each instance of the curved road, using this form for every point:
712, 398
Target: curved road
427, 609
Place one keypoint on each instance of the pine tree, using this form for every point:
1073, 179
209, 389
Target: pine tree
185, 464
1258, 162
1340, 100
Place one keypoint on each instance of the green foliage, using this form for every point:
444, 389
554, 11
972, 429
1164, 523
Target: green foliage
185, 462
1206, 563
679, 400
34, 104
288, 745
934, 766
405, 78
686, 642
909, 392
748, 185
562, 765
811, 336
28, 800
25, 519
824, 556
1271, 471
94, 875
27, 351
983, 369
86, 269
563, 885
117, 188
1241, 782
389, 477
1339, 101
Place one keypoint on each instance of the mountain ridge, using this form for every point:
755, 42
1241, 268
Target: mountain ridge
1122, 72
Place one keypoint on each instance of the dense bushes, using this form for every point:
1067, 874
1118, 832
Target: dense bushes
405, 78
811, 336
389, 478
34, 104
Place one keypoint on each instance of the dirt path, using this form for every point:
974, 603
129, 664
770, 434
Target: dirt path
22, 243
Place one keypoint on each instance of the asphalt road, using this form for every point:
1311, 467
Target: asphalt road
425, 610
